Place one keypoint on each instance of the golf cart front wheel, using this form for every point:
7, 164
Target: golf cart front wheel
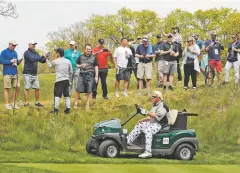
109, 148
89, 147
184, 152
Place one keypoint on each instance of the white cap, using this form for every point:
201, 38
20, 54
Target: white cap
73, 42
13, 42
157, 94
32, 42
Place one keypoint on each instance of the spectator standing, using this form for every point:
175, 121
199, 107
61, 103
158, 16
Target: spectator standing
30, 72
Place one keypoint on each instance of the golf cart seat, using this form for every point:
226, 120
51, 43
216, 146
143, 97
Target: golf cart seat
171, 116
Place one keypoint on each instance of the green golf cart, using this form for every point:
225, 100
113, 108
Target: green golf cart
174, 140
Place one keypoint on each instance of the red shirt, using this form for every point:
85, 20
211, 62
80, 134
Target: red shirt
101, 57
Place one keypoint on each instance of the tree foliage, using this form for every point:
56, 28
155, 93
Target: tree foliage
130, 24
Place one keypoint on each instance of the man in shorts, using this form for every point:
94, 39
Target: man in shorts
64, 73
10, 60
145, 53
30, 72
121, 55
88, 76
170, 53
214, 47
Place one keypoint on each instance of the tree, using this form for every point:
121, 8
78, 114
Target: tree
7, 9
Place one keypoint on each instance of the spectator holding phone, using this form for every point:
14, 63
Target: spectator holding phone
9, 59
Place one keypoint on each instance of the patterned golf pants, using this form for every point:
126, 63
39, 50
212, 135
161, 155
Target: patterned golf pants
149, 129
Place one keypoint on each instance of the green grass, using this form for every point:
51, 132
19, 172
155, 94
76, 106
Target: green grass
33, 135
137, 168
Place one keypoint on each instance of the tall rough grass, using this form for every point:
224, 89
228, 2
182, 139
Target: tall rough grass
32, 128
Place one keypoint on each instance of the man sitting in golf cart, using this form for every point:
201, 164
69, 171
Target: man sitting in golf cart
150, 125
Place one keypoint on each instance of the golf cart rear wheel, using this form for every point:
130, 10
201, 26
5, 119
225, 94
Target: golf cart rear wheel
109, 148
89, 147
184, 152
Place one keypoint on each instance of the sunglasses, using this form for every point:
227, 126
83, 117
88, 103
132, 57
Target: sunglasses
153, 97
189, 41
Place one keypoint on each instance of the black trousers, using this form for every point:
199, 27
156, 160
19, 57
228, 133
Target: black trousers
189, 71
179, 71
102, 74
61, 88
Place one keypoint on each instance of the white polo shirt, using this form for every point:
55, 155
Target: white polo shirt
120, 54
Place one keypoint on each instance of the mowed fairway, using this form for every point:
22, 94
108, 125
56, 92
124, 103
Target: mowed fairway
119, 168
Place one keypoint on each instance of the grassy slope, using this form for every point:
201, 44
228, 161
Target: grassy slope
32, 135
76, 168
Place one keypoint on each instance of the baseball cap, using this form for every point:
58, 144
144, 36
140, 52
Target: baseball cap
159, 36
213, 33
72, 42
101, 41
157, 94
13, 42
145, 38
60, 51
169, 35
32, 42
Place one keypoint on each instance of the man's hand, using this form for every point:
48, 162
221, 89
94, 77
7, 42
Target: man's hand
143, 111
212, 43
13, 60
148, 56
172, 53
96, 79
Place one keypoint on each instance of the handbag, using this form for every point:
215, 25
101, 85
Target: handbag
190, 61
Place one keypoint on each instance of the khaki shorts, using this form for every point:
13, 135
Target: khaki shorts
10, 81
144, 69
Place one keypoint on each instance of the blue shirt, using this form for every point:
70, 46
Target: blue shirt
200, 44
214, 52
72, 57
142, 50
6, 56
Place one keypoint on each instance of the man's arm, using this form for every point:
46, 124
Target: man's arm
43, 59
4, 60
32, 58
138, 54
50, 64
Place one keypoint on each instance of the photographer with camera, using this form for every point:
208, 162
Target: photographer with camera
214, 47
102, 55
190, 63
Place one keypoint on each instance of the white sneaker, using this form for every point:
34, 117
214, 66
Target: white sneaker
139, 93
117, 95
16, 107
145, 155
8, 107
125, 94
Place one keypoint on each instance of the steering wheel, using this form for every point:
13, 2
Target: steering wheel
138, 108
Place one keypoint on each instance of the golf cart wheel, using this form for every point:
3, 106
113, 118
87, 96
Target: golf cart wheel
89, 147
109, 148
184, 152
